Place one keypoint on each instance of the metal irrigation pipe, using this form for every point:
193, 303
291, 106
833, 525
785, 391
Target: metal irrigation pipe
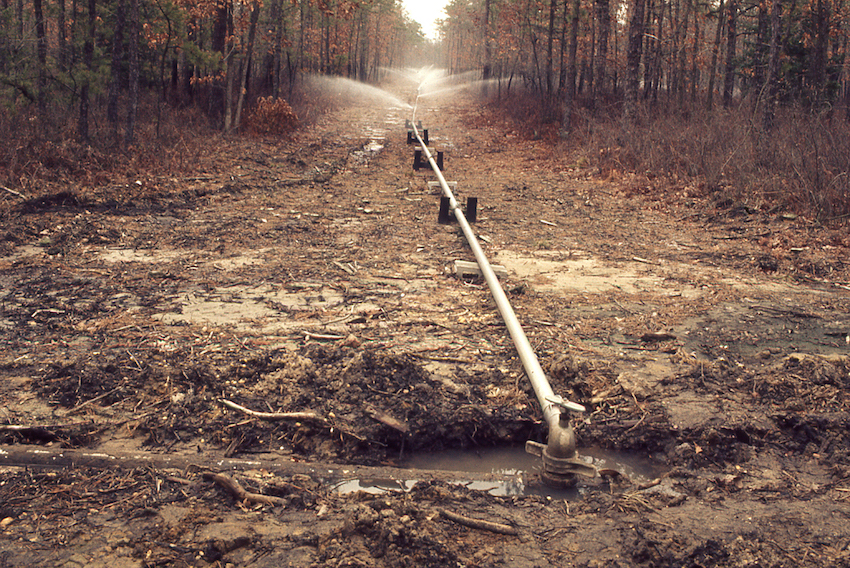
561, 440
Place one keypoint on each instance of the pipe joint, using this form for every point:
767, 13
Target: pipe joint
561, 462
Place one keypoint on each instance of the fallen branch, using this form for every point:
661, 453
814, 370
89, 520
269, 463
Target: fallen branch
322, 336
93, 400
38, 431
657, 336
13, 192
478, 523
345, 267
785, 312
306, 416
240, 493
387, 420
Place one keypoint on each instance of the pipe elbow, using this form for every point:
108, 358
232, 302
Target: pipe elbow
561, 443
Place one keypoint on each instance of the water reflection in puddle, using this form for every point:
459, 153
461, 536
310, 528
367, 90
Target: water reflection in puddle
517, 471
374, 486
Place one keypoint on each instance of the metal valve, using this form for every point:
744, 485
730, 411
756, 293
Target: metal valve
561, 462
564, 403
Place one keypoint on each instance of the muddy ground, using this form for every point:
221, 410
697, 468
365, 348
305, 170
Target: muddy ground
309, 275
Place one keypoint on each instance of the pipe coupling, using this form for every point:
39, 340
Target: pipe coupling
561, 462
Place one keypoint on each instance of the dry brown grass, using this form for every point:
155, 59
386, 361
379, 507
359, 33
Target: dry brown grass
42, 153
801, 165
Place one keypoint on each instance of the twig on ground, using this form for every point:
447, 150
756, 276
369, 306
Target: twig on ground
386, 419
478, 523
643, 260
93, 400
240, 493
306, 416
323, 336
13, 192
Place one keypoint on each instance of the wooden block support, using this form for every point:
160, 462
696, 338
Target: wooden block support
466, 269
471, 209
419, 160
411, 138
444, 217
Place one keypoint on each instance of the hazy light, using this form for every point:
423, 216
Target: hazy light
426, 12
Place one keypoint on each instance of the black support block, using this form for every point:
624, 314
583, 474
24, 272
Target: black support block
471, 209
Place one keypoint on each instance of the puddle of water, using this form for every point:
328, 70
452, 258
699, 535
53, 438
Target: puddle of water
373, 486
513, 464
515, 461
516, 486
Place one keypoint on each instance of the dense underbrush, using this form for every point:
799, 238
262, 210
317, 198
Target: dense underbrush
801, 165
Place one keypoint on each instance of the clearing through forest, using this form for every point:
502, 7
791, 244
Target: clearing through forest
143, 318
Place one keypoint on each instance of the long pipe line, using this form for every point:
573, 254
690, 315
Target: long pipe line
542, 388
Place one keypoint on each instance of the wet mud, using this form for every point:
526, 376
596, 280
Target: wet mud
294, 302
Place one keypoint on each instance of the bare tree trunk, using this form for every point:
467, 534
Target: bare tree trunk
682, 54
772, 80
115, 67
252, 33
60, 36
218, 43
377, 50
731, 42
299, 58
88, 61
41, 47
72, 35
819, 52
572, 69
762, 45
163, 83
603, 16
19, 12
550, 39
649, 43
844, 79
488, 48
133, 31
231, 70
277, 21
658, 54
562, 72
633, 57
566, 123
695, 58
715, 50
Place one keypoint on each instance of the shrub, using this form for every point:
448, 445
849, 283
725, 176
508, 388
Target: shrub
272, 117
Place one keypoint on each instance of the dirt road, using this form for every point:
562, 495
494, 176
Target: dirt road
310, 276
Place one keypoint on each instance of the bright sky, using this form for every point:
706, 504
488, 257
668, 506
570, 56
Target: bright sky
426, 12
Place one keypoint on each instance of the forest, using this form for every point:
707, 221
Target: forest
749, 97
